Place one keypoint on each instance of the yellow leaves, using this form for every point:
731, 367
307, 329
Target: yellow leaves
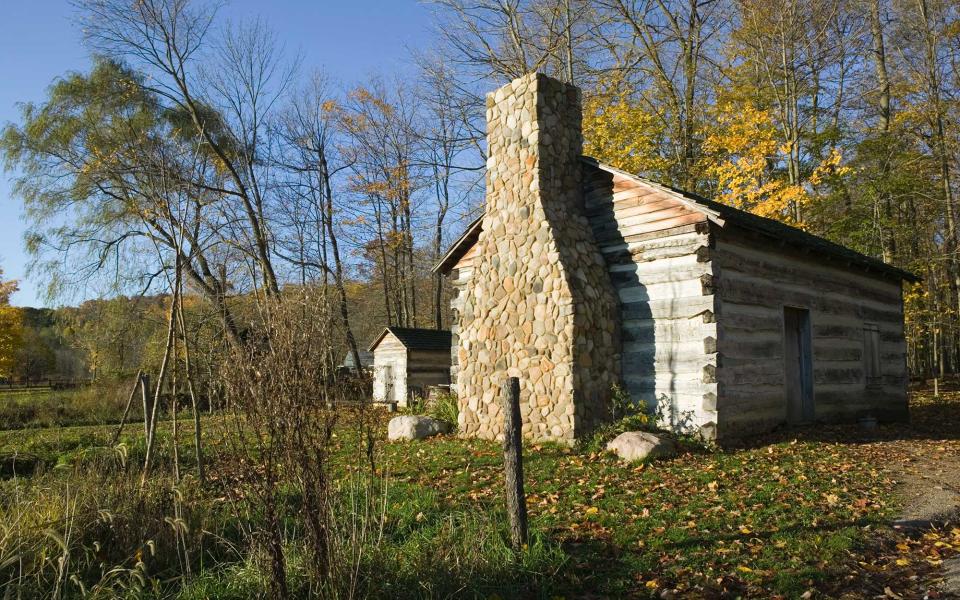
329, 106
11, 328
591, 511
740, 149
617, 130
830, 166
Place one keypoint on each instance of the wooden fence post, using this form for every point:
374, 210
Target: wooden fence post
513, 462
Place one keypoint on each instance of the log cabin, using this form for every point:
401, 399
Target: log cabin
581, 279
407, 362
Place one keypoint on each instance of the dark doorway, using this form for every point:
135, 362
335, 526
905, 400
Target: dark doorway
798, 355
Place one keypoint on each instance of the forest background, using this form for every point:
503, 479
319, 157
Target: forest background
231, 170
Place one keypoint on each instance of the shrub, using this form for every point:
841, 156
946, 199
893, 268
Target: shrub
445, 408
625, 414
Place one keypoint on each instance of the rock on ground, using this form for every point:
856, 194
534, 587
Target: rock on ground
639, 445
414, 428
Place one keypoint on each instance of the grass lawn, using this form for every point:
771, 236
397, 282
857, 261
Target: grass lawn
770, 518
795, 512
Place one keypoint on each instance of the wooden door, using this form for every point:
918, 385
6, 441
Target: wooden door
388, 384
798, 356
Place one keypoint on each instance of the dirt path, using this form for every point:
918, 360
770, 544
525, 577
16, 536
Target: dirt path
924, 459
929, 480
919, 555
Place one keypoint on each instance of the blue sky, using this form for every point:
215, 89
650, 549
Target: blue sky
39, 41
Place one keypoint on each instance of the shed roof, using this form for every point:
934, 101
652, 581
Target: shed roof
718, 213
417, 339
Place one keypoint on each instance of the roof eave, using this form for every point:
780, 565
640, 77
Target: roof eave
715, 217
378, 339
458, 248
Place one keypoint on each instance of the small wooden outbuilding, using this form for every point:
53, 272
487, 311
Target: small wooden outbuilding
407, 361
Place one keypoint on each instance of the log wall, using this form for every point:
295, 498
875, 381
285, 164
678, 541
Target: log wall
755, 278
427, 368
657, 254
459, 278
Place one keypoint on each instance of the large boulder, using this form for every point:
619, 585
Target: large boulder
641, 445
415, 428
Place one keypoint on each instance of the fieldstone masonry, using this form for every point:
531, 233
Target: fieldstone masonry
540, 304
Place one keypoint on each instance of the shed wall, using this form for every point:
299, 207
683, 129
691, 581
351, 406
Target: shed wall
427, 368
390, 356
755, 279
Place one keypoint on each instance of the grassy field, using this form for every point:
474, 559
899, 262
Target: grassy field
792, 514
39, 408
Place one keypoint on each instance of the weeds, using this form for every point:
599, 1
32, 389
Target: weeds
442, 406
625, 415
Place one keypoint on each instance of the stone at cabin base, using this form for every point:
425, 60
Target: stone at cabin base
639, 445
415, 428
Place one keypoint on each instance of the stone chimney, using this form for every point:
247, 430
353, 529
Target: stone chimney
540, 304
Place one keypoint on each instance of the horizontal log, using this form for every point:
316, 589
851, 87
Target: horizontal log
770, 255
632, 278
675, 291
676, 330
688, 384
667, 348
671, 308
626, 257
748, 290
701, 227
646, 363
636, 232
823, 353
680, 236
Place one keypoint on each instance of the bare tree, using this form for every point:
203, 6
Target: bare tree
505, 39
309, 132
382, 130
224, 107
446, 143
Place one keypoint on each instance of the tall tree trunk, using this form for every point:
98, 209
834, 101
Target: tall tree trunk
152, 435
940, 142
888, 241
337, 264
691, 64
191, 388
